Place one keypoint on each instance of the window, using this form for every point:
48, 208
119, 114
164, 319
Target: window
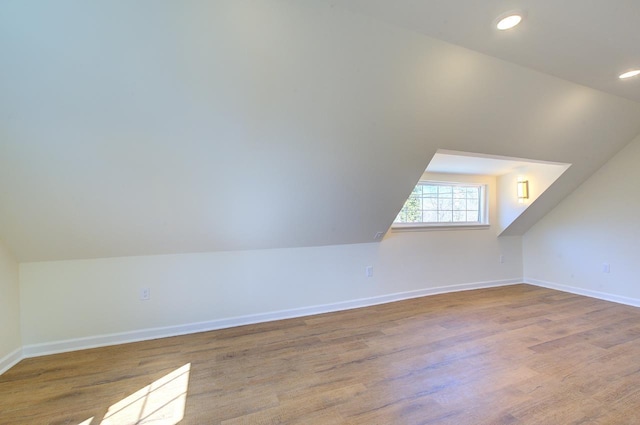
444, 204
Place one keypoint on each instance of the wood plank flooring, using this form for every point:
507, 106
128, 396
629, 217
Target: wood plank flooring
510, 355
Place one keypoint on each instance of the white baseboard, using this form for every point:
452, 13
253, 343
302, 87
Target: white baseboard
10, 360
586, 292
54, 347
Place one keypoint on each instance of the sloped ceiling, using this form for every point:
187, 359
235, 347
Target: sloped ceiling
589, 42
149, 127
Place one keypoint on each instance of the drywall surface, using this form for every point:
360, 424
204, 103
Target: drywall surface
10, 341
164, 127
454, 256
540, 176
595, 226
68, 300
84, 298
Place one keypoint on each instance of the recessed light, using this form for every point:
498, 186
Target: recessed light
629, 74
509, 21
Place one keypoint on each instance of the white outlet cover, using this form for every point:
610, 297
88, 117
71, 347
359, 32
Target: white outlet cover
145, 294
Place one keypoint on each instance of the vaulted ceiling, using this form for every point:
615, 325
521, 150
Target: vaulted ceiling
589, 42
150, 127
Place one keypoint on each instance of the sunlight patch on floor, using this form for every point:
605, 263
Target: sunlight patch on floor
160, 403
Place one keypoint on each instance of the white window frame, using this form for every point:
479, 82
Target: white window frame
483, 210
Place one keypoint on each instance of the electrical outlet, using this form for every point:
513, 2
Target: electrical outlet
606, 268
145, 294
501, 259
368, 271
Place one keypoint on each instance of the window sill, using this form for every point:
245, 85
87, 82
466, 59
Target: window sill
431, 227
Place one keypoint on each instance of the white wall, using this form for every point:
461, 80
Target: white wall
452, 257
540, 177
67, 300
10, 341
159, 123
596, 224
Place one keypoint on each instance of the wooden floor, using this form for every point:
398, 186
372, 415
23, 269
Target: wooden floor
511, 355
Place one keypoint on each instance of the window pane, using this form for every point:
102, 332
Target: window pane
416, 203
412, 209
459, 204
430, 190
430, 203
445, 216
430, 216
459, 192
459, 216
445, 204
414, 216
442, 203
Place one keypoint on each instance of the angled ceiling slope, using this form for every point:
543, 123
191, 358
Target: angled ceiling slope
136, 128
589, 42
